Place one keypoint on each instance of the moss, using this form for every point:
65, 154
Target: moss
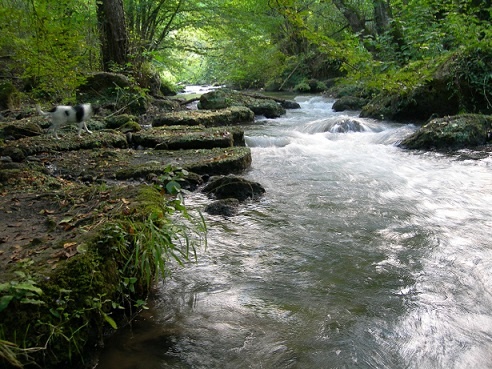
184, 138
229, 116
451, 133
83, 238
68, 317
149, 200
130, 127
9, 95
79, 294
45, 143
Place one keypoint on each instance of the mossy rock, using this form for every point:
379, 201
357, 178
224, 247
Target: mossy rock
9, 95
116, 121
461, 83
186, 138
71, 142
451, 133
101, 88
433, 98
20, 129
209, 161
231, 116
124, 123
226, 98
166, 104
130, 126
349, 103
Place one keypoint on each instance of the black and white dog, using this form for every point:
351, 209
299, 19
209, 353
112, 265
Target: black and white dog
63, 114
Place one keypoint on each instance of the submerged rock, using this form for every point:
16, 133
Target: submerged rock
347, 125
226, 207
451, 133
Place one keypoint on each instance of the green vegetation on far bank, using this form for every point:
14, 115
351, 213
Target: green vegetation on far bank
370, 47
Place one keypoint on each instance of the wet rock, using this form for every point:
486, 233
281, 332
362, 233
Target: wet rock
225, 98
349, 103
225, 207
451, 133
290, 104
233, 187
347, 125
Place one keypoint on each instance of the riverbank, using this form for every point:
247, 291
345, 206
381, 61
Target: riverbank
85, 221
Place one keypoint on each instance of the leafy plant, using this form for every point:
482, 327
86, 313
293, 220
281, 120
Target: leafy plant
169, 180
23, 290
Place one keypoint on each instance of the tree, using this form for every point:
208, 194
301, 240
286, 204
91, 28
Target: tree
46, 47
113, 33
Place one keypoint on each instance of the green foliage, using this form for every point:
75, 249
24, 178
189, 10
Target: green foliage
472, 82
54, 319
24, 290
50, 44
302, 86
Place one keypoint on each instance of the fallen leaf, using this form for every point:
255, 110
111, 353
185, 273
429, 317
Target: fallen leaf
65, 220
69, 245
71, 252
46, 211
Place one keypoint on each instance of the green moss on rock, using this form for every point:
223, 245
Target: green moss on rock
46, 143
451, 133
231, 116
226, 98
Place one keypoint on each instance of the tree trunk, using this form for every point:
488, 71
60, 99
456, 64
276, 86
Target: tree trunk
113, 33
355, 20
381, 15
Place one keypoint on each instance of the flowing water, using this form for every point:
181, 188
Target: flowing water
360, 255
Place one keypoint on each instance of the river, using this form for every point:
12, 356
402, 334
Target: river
360, 255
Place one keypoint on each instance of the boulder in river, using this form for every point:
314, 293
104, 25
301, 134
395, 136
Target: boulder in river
451, 133
226, 98
225, 207
231, 116
349, 103
231, 186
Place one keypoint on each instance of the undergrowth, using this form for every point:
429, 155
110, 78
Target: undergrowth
51, 320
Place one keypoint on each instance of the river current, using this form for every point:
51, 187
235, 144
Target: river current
360, 255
